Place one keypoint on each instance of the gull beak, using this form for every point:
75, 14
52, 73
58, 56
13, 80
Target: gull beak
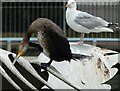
67, 5
20, 52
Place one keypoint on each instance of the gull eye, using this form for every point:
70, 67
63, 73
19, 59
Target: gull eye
72, 2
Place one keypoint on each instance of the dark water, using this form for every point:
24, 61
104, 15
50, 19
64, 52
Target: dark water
115, 83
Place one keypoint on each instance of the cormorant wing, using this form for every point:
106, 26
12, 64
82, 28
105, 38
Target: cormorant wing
36, 45
60, 42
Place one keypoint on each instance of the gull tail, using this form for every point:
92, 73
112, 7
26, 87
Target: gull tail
109, 27
113, 26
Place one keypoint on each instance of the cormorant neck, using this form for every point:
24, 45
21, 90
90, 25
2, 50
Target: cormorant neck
27, 37
24, 44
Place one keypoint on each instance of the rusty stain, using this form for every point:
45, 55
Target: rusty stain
83, 63
91, 57
99, 63
106, 70
103, 49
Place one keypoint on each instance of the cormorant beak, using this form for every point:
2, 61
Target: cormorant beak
20, 52
68, 5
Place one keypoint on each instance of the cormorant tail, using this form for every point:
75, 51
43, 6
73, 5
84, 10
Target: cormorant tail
79, 56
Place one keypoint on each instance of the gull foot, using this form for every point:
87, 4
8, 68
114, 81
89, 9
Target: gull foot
80, 42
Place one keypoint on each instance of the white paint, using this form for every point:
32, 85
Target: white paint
85, 70
4, 74
4, 58
25, 64
84, 74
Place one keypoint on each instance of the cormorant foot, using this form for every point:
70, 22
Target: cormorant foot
44, 65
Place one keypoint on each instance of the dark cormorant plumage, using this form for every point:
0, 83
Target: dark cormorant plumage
53, 42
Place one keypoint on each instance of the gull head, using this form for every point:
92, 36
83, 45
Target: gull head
71, 4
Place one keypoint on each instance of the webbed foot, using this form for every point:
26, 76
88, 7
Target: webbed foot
44, 65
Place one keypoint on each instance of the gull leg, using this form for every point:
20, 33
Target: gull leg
81, 38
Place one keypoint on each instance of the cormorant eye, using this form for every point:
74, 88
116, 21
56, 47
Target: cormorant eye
42, 32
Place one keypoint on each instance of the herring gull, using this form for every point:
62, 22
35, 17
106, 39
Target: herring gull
84, 22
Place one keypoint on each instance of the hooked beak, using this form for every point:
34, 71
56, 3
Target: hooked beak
20, 52
67, 5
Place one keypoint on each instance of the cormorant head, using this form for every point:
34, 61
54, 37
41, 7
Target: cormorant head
71, 4
22, 49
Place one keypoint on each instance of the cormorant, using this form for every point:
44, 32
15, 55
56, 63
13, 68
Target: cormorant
53, 42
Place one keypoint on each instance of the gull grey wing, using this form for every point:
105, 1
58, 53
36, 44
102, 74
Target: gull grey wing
89, 21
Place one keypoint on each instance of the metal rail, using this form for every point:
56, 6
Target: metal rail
94, 40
